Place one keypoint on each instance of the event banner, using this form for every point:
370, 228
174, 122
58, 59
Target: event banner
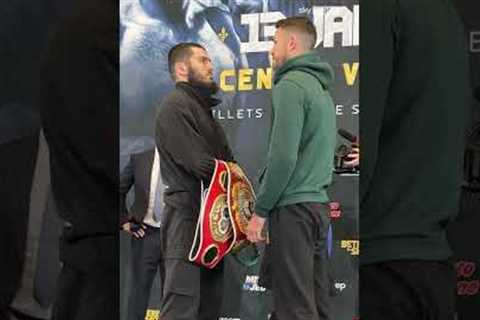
238, 35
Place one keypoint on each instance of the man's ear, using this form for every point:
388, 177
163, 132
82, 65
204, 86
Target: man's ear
181, 69
292, 41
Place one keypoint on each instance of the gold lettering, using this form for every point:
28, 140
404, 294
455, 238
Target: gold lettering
264, 79
223, 80
351, 72
245, 79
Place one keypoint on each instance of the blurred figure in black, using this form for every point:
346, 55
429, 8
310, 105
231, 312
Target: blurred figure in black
79, 116
25, 26
16, 170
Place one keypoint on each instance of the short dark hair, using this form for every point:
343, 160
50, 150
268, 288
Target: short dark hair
180, 52
301, 24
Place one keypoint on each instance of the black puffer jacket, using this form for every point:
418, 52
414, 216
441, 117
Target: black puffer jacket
188, 140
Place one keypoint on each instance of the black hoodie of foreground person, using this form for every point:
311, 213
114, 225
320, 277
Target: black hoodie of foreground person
80, 120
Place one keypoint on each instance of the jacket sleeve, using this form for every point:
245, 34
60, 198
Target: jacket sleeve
285, 135
127, 179
380, 26
176, 132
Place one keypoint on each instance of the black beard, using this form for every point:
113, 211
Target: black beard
210, 87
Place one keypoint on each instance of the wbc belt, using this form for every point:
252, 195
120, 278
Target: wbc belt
225, 210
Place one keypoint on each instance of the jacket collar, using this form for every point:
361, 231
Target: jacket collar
204, 97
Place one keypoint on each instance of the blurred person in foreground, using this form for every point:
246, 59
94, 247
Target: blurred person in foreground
415, 92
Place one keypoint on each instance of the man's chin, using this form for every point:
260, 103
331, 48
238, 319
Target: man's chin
211, 85
277, 64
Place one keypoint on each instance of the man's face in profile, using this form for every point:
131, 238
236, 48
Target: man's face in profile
200, 69
279, 49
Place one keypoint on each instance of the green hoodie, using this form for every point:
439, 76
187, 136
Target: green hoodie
416, 97
302, 137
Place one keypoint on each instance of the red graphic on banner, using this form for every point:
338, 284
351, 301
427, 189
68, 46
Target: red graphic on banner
465, 269
335, 210
466, 286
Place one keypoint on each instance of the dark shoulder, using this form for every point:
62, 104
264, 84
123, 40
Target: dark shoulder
92, 16
177, 101
85, 39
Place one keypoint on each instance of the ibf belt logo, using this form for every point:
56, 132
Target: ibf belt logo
467, 285
352, 246
251, 284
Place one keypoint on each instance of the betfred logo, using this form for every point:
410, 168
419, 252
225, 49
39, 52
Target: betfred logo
352, 246
152, 314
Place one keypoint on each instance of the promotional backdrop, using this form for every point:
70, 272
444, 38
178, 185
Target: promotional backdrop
237, 35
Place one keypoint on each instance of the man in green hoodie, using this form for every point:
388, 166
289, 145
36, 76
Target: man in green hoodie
299, 168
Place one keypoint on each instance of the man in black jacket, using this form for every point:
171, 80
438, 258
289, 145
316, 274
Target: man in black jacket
188, 140
142, 222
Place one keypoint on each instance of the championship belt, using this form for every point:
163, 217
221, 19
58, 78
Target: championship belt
241, 200
225, 210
